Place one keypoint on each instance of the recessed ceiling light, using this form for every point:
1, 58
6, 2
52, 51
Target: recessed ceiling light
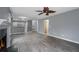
22, 17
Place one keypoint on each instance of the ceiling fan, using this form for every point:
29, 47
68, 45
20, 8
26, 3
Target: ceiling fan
45, 10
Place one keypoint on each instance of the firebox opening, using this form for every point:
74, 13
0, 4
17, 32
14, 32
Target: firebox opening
3, 39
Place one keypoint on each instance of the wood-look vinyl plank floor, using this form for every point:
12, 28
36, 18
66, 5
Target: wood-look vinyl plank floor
34, 42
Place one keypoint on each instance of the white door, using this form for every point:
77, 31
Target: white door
46, 26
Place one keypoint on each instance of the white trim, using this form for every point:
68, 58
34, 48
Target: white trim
61, 38
64, 39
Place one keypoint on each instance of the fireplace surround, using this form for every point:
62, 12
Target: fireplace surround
5, 38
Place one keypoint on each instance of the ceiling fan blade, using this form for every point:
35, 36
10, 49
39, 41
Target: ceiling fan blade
45, 10
51, 11
40, 13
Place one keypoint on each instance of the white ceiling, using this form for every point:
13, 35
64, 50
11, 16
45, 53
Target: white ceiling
30, 13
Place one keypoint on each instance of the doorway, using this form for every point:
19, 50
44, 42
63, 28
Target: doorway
46, 26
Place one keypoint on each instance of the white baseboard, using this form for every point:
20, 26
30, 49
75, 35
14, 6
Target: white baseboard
61, 38
64, 38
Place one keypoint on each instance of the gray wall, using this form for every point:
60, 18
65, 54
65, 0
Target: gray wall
34, 24
64, 25
29, 26
4, 12
40, 26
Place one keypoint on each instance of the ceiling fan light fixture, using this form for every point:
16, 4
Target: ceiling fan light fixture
45, 10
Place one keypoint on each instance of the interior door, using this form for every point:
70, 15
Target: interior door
46, 26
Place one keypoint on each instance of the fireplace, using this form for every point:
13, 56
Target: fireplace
3, 40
